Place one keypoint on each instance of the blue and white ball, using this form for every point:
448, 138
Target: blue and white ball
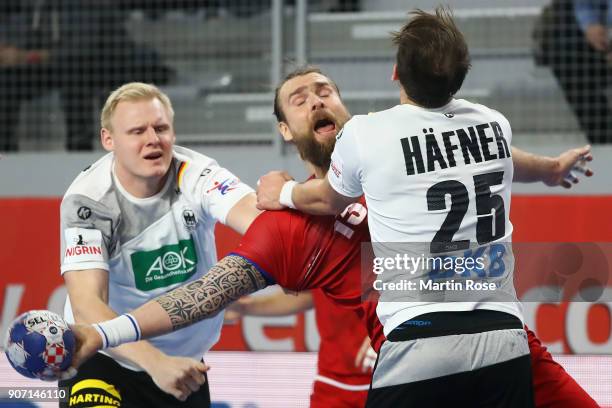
40, 345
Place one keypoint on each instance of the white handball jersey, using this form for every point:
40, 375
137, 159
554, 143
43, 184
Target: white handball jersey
438, 177
150, 245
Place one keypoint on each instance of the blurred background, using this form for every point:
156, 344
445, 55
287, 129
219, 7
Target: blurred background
219, 59
536, 61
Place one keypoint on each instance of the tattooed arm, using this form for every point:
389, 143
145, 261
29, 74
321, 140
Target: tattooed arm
228, 280
231, 278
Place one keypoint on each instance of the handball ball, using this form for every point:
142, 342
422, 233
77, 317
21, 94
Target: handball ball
40, 345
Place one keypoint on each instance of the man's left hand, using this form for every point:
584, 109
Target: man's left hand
568, 165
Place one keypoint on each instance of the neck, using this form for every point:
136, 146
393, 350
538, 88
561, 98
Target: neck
404, 99
140, 187
316, 170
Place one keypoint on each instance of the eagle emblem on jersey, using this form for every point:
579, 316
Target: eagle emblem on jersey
189, 219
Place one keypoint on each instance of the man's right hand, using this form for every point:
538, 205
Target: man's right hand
177, 376
269, 189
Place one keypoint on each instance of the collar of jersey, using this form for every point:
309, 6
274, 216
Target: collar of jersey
440, 109
137, 200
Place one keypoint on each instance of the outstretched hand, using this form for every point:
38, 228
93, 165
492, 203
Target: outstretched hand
569, 164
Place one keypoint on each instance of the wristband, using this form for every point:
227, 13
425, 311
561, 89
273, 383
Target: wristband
115, 332
285, 194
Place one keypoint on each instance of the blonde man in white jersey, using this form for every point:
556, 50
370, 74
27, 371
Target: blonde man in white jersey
436, 174
136, 224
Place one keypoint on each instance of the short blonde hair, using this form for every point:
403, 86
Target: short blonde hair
131, 92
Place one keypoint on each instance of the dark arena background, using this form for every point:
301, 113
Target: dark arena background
219, 61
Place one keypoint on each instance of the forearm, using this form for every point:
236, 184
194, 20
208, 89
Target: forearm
90, 309
228, 280
529, 168
318, 197
141, 353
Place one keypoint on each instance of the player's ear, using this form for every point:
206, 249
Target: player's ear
107, 140
394, 76
285, 131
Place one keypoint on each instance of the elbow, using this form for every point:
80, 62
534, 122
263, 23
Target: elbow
335, 207
324, 206
333, 202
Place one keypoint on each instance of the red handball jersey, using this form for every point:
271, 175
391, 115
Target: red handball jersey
300, 252
342, 335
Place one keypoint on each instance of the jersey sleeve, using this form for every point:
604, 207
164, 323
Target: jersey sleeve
344, 173
268, 246
218, 189
86, 234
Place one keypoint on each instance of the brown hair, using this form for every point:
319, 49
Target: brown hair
131, 92
432, 57
298, 72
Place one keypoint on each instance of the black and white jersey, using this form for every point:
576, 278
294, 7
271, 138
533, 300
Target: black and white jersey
439, 178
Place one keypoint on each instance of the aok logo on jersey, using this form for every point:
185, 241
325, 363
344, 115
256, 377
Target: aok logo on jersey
165, 266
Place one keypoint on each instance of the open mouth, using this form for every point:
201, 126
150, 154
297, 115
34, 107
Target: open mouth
324, 126
153, 156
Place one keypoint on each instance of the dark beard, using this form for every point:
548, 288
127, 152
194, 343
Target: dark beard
319, 154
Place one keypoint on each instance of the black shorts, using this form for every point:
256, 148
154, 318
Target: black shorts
476, 359
101, 381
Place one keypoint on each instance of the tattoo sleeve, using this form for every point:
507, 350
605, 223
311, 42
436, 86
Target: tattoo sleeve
231, 278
